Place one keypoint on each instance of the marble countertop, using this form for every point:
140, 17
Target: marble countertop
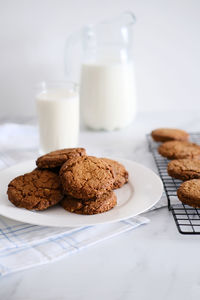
151, 262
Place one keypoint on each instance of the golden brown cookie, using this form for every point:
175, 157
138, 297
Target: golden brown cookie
169, 134
178, 149
90, 207
121, 175
37, 190
184, 169
189, 193
59, 157
86, 177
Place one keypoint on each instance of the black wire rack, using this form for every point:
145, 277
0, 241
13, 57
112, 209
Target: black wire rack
187, 218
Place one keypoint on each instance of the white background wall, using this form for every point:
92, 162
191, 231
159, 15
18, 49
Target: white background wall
166, 50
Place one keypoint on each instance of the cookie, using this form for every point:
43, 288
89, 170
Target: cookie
120, 173
169, 134
36, 190
178, 149
86, 177
184, 169
189, 193
59, 157
90, 207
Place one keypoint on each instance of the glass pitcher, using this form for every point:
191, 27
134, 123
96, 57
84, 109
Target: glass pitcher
106, 72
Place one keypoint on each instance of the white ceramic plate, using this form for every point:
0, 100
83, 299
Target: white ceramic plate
143, 190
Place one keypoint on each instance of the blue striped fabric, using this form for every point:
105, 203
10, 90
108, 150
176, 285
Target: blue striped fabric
23, 245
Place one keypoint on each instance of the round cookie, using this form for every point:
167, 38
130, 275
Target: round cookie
189, 193
184, 169
90, 207
59, 157
169, 134
86, 177
121, 175
178, 149
36, 190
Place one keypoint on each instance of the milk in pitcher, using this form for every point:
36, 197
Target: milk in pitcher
107, 95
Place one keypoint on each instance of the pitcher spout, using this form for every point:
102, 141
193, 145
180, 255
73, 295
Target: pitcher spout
127, 18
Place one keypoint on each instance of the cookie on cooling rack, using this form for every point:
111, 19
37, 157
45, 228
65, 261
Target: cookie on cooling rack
169, 134
184, 169
179, 150
189, 193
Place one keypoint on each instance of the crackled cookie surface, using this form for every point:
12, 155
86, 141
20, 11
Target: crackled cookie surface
121, 175
90, 207
178, 149
189, 193
184, 169
36, 190
59, 157
86, 177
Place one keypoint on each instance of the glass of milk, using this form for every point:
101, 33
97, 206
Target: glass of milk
58, 115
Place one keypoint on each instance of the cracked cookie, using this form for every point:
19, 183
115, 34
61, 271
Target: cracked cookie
169, 134
189, 193
178, 149
90, 207
184, 169
58, 158
120, 173
36, 190
86, 177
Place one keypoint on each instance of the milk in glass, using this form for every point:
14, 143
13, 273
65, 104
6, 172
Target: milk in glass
58, 115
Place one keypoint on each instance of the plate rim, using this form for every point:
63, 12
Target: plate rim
121, 160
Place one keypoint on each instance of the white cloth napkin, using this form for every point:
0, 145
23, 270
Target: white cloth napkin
24, 245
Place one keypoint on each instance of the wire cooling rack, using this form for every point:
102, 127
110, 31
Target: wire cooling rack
187, 218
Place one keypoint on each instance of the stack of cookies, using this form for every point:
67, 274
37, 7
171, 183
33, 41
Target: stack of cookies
81, 184
184, 164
